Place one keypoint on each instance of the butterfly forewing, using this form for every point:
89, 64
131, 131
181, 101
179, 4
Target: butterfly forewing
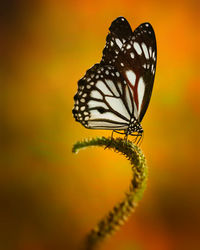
136, 62
146, 53
115, 93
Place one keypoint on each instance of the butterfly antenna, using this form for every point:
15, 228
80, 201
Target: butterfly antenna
135, 139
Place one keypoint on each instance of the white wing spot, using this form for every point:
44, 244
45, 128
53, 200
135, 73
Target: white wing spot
131, 77
117, 74
140, 90
82, 108
111, 43
122, 64
112, 87
128, 46
119, 43
107, 72
150, 51
154, 56
132, 55
96, 94
120, 87
128, 99
145, 50
137, 48
94, 104
101, 86
135, 110
118, 105
101, 119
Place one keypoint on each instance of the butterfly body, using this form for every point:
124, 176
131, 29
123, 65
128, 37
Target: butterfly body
114, 94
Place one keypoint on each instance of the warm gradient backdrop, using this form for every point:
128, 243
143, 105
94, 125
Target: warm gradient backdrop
49, 198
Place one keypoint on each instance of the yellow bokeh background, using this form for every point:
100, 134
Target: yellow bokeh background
50, 198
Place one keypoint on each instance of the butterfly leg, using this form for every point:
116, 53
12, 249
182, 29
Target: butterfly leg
139, 142
110, 140
126, 137
118, 132
139, 139
135, 139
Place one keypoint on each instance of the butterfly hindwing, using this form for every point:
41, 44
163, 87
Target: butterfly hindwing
103, 100
144, 43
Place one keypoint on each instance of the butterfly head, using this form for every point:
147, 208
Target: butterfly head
134, 127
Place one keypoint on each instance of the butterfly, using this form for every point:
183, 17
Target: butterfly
115, 93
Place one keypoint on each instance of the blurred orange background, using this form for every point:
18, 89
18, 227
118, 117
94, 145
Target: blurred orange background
50, 198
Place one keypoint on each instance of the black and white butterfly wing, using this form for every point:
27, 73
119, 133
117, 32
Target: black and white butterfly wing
116, 93
103, 101
133, 54
139, 55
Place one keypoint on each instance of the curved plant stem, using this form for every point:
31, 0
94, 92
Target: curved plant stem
118, 215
